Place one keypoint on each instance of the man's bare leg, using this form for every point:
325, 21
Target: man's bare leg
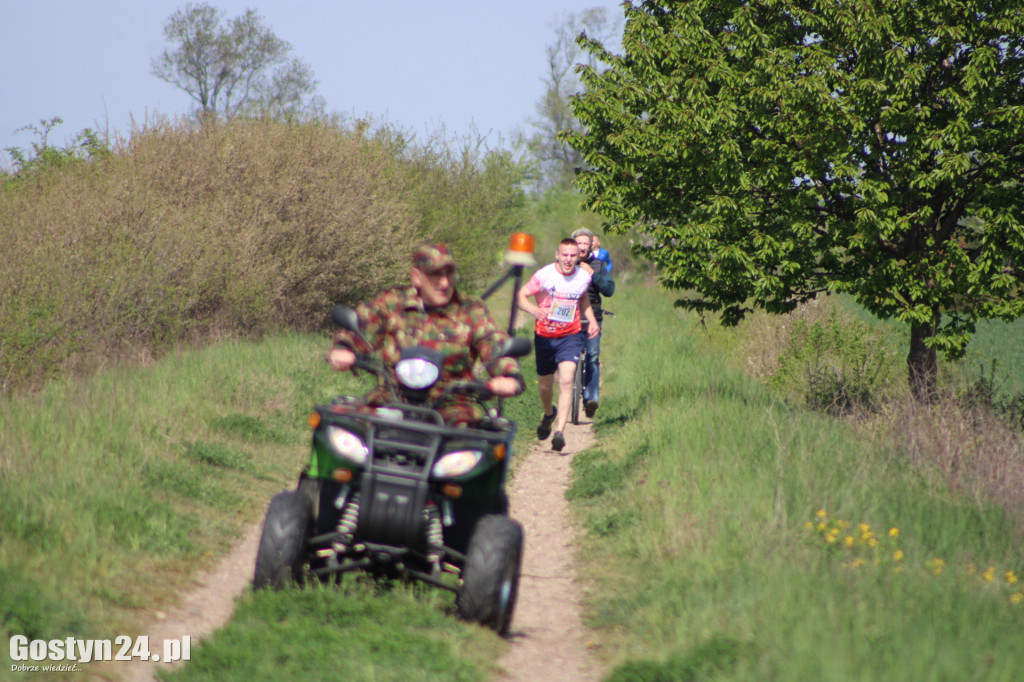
566, 374
545, 387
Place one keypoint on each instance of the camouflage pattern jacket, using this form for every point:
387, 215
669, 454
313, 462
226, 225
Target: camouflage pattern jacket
463, 331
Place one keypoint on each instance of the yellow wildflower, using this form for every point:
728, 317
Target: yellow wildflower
848, 540
937, 566
809, 525
989, 574
1011, 577
842, 525
830, 538
821, 514
894, 532
897, 556
872, 542
822, 527
1016, 598
864, 528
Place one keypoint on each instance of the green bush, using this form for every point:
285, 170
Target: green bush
837, 365
227, 230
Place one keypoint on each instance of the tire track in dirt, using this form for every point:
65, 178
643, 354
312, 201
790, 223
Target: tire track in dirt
548, 640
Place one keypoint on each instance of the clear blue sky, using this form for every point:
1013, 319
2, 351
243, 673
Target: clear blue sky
421, 64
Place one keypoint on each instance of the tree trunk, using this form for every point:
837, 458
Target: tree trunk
922, 362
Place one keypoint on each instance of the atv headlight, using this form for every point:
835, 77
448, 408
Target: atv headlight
456, 463
417, 373
347, 445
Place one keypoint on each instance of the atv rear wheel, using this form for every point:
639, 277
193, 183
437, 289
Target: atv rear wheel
490, 579
283, 543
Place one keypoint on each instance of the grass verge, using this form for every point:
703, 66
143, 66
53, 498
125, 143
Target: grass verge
732, 534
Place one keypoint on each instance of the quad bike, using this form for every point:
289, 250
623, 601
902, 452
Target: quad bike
393, 491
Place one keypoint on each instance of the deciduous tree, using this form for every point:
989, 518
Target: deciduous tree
775, 150
557, 160
233, 68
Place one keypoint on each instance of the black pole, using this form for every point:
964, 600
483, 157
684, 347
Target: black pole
518, 275
497, 285
515, 272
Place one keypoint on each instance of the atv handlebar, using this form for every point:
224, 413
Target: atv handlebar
346, 318
475, 389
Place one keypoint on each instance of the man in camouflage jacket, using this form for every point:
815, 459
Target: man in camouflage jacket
433, 314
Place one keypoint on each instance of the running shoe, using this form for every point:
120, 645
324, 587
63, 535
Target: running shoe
544, 430
590, 407
557, 441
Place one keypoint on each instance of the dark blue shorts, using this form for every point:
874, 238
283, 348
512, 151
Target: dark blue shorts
549, 351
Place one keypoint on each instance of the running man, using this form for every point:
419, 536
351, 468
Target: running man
560, 290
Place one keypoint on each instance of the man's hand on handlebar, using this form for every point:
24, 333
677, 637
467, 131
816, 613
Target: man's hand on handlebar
341, 359
503, 387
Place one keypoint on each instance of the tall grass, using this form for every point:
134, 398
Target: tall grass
999, 344
113, 489
359, 631
703, 535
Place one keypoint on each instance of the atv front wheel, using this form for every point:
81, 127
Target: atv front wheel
283, 543
490, 579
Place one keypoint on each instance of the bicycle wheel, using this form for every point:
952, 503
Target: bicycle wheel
577, 389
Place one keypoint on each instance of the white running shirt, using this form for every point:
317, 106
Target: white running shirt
559, 297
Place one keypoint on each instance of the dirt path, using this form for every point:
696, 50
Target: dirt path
547, 637
548, 641
203, 610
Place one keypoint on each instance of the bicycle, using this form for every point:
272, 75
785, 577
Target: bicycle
577, 389
577, 383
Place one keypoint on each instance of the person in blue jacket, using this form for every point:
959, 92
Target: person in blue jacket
601, 254
601, 284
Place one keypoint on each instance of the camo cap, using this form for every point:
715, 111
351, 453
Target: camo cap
432, 258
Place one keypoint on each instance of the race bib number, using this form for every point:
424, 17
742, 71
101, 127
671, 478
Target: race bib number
563, 311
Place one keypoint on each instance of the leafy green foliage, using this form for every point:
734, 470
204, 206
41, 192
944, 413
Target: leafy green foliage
771, 151
87, 146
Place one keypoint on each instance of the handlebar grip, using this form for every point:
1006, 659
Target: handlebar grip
476, 389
